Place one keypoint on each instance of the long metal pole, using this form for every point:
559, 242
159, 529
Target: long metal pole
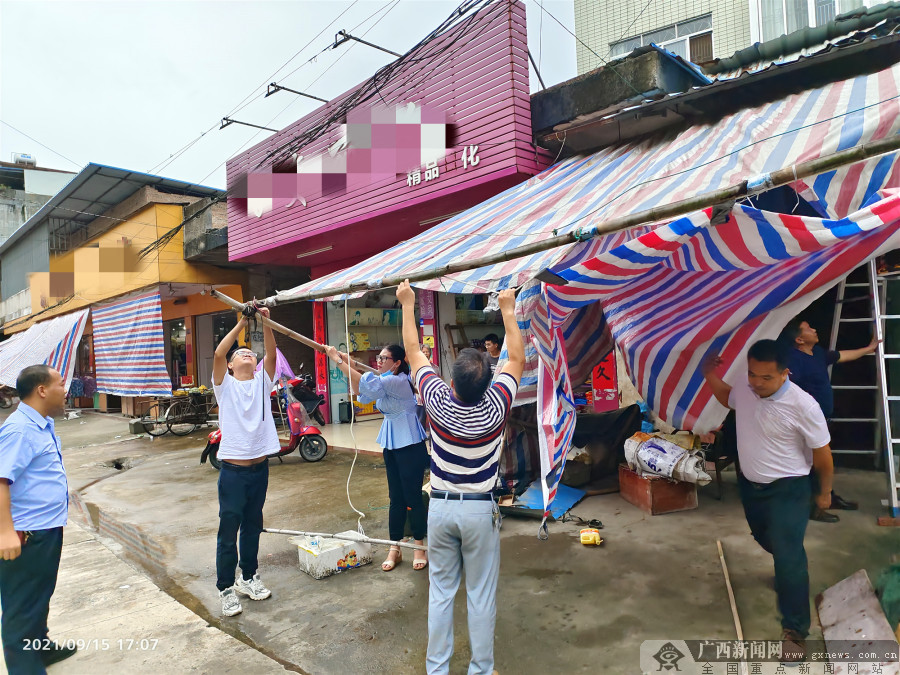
343, 537
660, 213
239, 306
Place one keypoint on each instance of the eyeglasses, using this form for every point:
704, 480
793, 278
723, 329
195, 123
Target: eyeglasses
383, 358
244, 353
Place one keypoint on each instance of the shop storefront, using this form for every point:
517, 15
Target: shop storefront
193, 324
447, 322
482, 122
369, 324
84, 380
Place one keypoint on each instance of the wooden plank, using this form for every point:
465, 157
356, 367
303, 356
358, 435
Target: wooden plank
852, 620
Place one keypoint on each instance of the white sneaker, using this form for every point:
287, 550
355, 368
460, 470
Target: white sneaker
254, 588
231, 605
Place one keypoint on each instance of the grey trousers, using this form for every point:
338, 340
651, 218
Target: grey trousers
462, 535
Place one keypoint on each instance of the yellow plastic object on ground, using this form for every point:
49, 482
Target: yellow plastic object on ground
591, 537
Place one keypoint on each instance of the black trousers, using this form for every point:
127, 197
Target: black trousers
26, 586
242, 494
778, 514
405, 474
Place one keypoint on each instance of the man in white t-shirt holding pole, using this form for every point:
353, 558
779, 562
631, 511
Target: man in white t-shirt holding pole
781, 435
248, 436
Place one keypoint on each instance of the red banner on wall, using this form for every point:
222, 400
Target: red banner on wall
605, 384
321, 359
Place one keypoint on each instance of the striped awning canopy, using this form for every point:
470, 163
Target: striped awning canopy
668, 293
53, 342
129, 347
585, 191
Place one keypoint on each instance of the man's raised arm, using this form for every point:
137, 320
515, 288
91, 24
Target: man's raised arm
721, 390
220, 356
515, 346
406, 296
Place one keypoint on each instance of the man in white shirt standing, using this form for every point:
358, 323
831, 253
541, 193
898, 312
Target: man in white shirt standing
248, 436
781, 434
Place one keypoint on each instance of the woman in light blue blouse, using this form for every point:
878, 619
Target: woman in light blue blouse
403, 440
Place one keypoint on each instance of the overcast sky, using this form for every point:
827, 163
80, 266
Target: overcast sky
130, 83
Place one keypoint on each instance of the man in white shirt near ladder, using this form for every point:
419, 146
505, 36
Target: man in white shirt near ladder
248, 436
781, 435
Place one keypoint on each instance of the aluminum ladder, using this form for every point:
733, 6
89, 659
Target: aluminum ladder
877, 294
838, 320
882, 320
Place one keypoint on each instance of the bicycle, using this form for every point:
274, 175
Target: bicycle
188, 412
154, 419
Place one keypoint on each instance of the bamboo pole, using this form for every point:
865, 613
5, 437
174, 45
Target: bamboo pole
659, 213
343, 537
734, 612
239, 306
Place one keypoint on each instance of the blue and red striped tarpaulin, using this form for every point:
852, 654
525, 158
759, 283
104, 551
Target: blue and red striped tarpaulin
129, 351
584, 191
674, 266
52, 342
673, 294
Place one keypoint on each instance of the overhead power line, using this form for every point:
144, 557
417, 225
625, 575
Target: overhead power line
466, 15
46, 147
161, 166
588, 47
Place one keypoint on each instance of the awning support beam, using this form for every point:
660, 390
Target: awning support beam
657, 214
239, 306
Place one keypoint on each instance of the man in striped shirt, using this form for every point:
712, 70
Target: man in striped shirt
467, 423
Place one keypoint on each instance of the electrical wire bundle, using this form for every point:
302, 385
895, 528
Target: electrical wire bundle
429, 49
466, 15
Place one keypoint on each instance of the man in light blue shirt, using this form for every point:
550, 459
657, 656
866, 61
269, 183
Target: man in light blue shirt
34, 503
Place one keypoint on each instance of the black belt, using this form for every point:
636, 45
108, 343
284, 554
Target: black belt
763, 486
258, 466
462, 496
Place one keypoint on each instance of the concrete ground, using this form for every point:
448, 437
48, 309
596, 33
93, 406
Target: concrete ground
563, 607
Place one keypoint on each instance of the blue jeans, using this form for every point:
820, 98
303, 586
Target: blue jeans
777, 514
242, 493
462, 535
26, 585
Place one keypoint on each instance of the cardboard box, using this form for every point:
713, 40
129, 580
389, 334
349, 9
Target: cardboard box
331, 556
656, 495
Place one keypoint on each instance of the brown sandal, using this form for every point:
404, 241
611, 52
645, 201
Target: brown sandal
392, 561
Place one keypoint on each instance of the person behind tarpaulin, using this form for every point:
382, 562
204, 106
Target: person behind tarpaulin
808, 364
34, 505
781, 435
468, 419
492, 345
248, 436
402, 438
